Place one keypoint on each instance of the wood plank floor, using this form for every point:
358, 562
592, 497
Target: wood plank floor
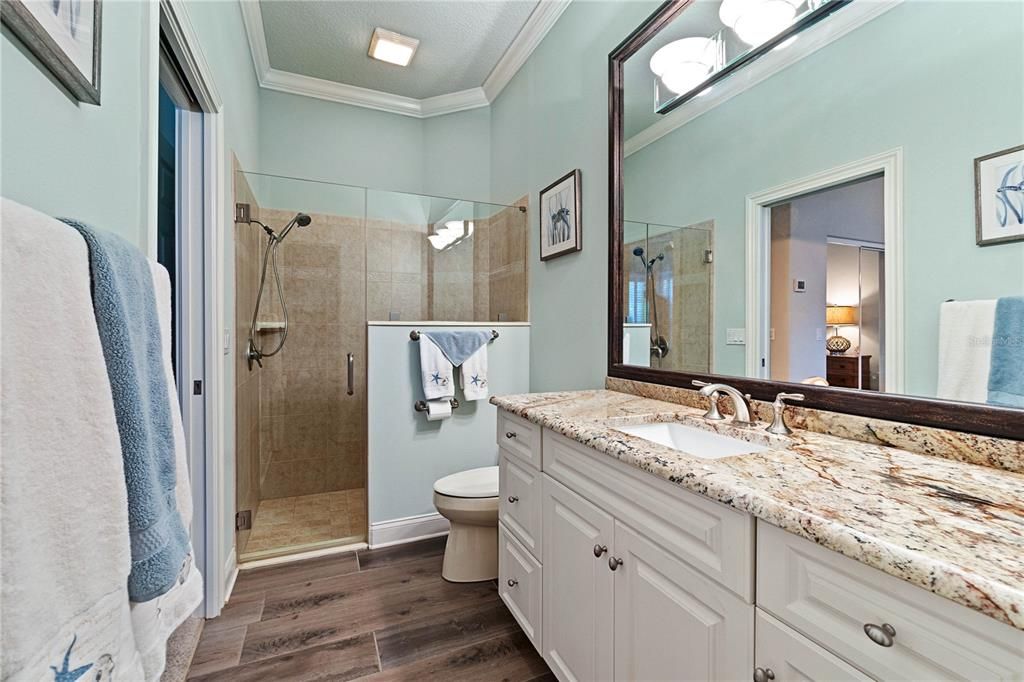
382, 614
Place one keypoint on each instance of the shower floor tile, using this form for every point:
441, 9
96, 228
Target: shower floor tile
291, 522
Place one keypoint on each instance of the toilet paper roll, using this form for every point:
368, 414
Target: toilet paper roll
438, 410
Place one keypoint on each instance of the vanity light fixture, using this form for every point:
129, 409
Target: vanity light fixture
755, 21
391, 47
684, 64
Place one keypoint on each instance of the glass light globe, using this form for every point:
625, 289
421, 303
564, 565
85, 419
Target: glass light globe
683, 64
755, 21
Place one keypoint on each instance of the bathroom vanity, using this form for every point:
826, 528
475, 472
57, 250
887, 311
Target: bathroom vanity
799, 557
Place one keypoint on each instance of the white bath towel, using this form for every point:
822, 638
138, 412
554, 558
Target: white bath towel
965, 349
65, 540
474, 375
436, 371
155, 620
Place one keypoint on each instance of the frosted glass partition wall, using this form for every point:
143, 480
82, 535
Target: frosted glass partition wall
668, 291
365, 255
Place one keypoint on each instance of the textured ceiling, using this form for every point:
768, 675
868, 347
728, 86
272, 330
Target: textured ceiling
460, 41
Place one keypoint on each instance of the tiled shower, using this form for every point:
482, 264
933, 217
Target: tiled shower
367, 255
682, 289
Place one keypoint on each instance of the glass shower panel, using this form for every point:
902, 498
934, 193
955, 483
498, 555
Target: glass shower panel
300, 433
431, 258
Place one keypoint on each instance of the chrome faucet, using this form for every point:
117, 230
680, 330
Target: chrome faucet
740, 402
778, 425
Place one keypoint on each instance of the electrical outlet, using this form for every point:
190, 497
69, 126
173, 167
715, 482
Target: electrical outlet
773, 334
735, 336
800, 286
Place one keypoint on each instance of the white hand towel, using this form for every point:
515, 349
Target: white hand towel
436, 371
66, 554
474, 375
965, 349
155, 620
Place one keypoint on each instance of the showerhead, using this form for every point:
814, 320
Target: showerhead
300, 219
639, 251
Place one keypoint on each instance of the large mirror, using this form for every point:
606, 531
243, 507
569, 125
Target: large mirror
823, 193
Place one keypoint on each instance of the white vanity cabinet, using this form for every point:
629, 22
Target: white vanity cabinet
615, 574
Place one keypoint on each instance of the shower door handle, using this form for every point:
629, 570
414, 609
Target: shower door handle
351, 373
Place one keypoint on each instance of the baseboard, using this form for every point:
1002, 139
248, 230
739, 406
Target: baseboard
409, 529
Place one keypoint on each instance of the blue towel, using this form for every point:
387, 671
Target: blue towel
457, 346
1006, 373
126, 316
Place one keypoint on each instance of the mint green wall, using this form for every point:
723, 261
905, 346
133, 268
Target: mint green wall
78, 160
942, 80
551, 118
406, 452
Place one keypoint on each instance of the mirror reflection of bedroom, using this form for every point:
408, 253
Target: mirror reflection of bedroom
828, 289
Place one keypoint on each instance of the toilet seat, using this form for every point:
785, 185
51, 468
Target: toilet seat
472, 483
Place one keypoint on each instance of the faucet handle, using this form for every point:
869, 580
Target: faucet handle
700, 384
778, 425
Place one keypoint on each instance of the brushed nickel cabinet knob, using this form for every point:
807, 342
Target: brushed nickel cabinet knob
600, 549
763, 674
512, 582
882, 635
614, 562
513, 499
510, 434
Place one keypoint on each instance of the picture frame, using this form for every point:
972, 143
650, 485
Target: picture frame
999, 197
65, 36
561, 222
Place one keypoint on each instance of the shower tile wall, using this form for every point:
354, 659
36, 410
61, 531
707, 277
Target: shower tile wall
396, 270
507, 265
248, 243
313, 435
686, 314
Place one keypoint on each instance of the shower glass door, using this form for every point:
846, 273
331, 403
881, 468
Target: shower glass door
301, 426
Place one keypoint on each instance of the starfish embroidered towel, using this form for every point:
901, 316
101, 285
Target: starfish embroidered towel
436, 371
474, 375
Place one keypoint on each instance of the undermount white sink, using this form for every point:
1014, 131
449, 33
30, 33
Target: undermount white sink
692, 441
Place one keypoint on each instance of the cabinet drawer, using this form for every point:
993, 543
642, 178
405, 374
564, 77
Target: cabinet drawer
791, 657
519, 501
830, 598
519, 438
715, 539
520, 584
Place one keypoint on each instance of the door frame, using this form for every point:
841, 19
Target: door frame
758, 230
203, 212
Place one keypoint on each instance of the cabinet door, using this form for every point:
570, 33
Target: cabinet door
578, 600
672, 622
784, 655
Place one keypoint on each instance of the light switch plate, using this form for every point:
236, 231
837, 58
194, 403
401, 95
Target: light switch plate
735, 336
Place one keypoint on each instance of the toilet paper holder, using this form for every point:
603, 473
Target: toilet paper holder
421, 405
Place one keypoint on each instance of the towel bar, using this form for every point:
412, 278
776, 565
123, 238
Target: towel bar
415, 334
421, 405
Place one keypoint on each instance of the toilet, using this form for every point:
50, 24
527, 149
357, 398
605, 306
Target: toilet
469, 500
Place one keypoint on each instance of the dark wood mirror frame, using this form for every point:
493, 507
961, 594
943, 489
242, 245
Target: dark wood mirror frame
999, 422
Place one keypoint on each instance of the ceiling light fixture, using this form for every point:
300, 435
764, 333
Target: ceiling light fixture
391, 47
684, 64
755, 21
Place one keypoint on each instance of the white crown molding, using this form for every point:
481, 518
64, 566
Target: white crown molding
540, 21
848, 19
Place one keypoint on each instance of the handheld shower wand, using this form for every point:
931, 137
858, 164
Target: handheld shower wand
253, 352
659, 344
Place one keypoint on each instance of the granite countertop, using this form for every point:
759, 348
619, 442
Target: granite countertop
952, 528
